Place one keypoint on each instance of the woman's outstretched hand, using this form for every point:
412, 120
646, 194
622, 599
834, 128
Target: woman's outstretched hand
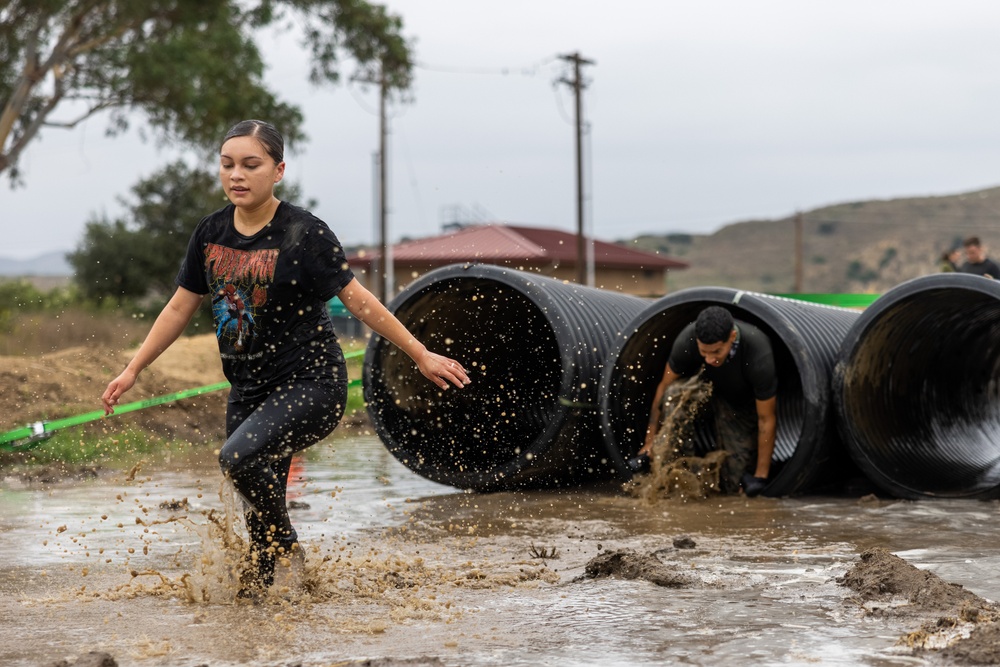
441, 370
115, 389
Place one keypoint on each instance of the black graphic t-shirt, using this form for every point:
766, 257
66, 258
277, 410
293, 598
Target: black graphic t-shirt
269, 294
747, 375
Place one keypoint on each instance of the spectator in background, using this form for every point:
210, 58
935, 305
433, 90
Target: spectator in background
976, 261
951, 260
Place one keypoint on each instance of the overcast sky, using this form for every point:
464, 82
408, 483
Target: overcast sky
699, 115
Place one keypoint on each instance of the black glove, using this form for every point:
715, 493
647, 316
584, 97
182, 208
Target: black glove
638, 464
752, 486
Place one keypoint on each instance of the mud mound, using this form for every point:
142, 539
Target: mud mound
400, 662
981, 647
71, 381
92, 659
959, 627
881, 576
629, 564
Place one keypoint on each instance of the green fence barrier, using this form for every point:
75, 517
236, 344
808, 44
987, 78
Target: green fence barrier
36, 432
840, 300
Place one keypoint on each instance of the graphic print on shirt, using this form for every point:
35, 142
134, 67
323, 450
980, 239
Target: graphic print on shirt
239, 280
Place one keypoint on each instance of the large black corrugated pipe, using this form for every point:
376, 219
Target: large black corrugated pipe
917, 388
805, 338
534, 348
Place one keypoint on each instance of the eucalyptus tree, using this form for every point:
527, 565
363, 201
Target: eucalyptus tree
187, 69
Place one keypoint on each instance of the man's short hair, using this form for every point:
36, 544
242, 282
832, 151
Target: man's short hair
714, 324
972, 240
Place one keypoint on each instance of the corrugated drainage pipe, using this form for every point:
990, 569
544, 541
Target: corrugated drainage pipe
917, 388
534, 348
805, 338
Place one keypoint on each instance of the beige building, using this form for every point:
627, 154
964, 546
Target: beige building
550, 252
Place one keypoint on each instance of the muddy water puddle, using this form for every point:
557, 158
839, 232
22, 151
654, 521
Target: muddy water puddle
404, 571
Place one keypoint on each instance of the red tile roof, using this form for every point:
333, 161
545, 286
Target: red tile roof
496, 243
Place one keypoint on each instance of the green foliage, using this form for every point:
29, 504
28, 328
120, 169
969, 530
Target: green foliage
826, 228
127, 258
191, 67
137, 255
355, 401
887, 257
76, 445
858, 272
18, 297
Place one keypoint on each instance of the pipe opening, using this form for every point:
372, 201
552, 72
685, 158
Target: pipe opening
643, 359
804, 340
918, 389
468, 437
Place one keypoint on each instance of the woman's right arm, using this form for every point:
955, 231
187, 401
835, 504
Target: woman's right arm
167, 328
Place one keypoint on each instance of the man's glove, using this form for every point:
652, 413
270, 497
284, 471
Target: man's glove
638, 465
752, 486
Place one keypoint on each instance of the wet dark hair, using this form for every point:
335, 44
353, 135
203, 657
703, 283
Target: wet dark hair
262, 131
714, 324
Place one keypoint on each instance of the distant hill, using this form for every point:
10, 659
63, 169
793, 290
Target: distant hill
863, 246
49, 264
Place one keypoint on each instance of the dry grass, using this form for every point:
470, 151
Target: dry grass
42, 333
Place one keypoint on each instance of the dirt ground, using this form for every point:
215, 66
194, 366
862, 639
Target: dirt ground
70, 382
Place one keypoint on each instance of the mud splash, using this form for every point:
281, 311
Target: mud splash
675, 472
407, 585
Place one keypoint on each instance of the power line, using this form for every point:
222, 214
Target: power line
529, 70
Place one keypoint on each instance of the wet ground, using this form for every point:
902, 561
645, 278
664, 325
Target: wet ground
402, 571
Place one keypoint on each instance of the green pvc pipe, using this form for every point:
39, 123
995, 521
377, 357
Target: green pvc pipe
35, 432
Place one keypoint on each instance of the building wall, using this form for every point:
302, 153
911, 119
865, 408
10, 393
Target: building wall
652, 283
640, 282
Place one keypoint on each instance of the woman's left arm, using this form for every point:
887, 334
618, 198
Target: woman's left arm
435, 367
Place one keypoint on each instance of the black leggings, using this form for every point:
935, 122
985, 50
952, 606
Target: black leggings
262, 436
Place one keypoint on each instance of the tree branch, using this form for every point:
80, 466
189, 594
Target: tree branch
30, 76
31, 129
70, 124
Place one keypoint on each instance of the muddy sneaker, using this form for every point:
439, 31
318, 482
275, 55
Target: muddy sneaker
289, 572
251, 590
256, 575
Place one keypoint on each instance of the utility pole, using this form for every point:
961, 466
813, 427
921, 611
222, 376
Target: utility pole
377, 262
381, 276
798, 253
578, 85
383, 232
